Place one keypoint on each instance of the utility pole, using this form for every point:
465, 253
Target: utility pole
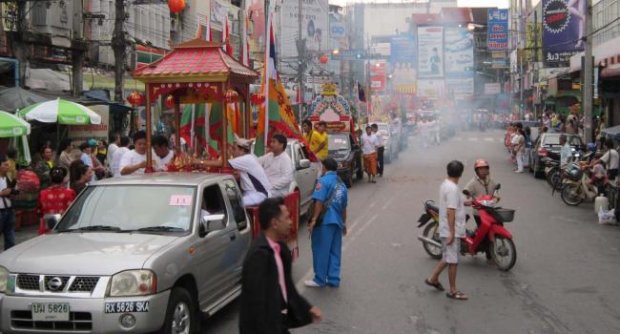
587, 76
18, 44
301, 52
119, 48
78, 47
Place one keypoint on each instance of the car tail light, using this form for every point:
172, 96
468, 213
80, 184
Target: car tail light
542, 152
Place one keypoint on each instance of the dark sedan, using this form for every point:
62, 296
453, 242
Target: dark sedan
548, 145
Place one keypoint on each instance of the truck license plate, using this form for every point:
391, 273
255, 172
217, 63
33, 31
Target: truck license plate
50, 311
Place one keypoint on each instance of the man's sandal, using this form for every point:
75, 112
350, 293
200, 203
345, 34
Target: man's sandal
435, 285
458, 295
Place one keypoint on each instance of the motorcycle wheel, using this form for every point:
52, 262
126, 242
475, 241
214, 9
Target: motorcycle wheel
551, 177
432, 250
556, 181
503, 252
570, 195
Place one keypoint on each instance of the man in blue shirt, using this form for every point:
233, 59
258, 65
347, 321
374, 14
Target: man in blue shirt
330, 196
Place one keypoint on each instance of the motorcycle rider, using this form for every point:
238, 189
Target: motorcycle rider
480, 185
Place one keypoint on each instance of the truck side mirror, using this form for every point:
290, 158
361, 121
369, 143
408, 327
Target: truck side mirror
51, 220
211, 223
303, 163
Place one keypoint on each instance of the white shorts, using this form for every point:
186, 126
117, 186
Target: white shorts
450, 253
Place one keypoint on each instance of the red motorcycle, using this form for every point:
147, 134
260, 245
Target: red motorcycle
491, 237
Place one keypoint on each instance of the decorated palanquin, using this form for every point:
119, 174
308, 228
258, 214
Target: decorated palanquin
200, 76
200, 73
333, 109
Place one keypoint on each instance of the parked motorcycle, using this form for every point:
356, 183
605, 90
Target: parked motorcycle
576, 186
490, 237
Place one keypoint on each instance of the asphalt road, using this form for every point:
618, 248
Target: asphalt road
565, 279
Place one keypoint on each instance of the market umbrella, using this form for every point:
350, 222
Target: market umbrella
12, 126
60, 111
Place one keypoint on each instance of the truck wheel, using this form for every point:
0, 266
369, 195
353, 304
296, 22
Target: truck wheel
181, 315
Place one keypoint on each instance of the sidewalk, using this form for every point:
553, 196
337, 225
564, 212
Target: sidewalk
22, 234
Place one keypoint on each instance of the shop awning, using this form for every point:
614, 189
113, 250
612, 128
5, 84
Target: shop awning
611, 71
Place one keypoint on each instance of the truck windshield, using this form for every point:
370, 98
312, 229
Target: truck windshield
129, 208
337, 142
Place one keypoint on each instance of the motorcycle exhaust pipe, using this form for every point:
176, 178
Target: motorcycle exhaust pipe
430, 241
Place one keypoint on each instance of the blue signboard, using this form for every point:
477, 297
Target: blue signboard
497, 34
563, 30
402, 49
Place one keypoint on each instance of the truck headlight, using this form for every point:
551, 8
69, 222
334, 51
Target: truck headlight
4, 279
133, 283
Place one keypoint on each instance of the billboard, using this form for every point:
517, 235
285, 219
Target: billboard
460, 88
458, 52
378, 77
402, 64
315, 26
430, 88
563, 30
497, 29
430, 52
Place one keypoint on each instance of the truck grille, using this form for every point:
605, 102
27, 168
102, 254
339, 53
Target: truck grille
84, 284
78, 321
28, 282
67, 283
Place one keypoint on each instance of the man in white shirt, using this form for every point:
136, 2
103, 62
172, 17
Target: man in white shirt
380, 148
134, 161
113, 147
451, 229
115, 162
252, 178
162, 155
278, 166
611, 159
369, 152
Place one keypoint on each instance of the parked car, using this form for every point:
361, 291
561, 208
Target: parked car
391, 141
132, 254
347, 152
548, 145
304, 175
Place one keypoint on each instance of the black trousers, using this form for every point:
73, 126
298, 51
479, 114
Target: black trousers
380, 151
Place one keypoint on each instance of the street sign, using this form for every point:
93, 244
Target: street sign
352, 54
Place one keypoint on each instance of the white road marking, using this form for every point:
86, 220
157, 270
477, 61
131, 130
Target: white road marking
489, 139
472, 138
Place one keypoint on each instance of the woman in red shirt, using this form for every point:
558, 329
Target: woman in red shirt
55, 199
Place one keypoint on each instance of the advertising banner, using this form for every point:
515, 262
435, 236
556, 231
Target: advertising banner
378, 77
460, 89
497, 29
430, 52
432, 89
563, 30
82, 133
459, 52
402, 64
315, 26
492, 88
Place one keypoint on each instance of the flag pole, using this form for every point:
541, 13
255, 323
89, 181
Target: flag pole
267, 71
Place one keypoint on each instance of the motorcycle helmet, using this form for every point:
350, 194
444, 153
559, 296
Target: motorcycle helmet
480, 163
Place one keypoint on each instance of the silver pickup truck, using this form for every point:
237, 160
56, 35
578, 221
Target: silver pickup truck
132, 254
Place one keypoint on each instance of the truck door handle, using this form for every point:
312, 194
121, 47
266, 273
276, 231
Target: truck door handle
233, 237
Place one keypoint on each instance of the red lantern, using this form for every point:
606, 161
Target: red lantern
176, 6
170, 103
135, 98
323, 59
257, 99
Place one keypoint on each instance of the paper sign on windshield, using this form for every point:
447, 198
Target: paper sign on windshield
180, 200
